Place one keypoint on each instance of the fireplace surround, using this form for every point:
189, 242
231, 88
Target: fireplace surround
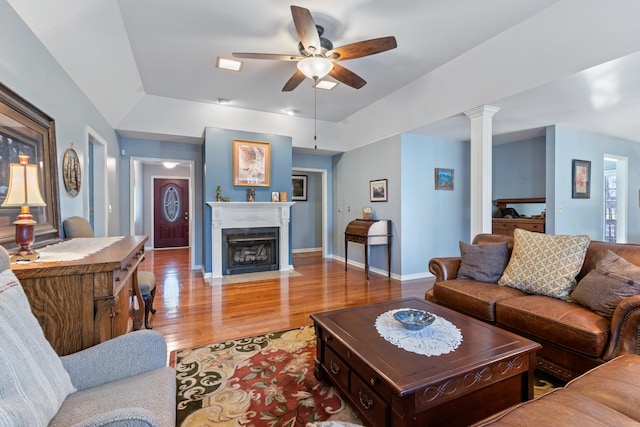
249, 215
249, 250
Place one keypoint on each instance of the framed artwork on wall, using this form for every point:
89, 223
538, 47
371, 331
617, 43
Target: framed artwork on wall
581, 179
378, 190
299, 188
71, 172
251, 163
26, 130
444, 179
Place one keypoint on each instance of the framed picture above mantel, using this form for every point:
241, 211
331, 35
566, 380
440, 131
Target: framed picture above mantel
251, 163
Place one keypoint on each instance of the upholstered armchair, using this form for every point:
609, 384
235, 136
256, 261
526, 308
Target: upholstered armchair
120, 382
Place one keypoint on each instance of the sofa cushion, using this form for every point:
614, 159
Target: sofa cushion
477, 299
484, 263
563, 323
545, 264
612, 279
33, 382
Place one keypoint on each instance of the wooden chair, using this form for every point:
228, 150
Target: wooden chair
77, 226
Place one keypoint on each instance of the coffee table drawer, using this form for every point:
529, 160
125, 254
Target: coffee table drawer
372, 406
337, 369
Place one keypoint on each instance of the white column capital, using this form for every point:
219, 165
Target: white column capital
482, 110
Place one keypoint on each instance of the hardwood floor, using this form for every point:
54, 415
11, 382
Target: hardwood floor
193, 312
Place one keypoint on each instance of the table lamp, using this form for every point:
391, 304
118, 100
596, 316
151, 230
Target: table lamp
24, 191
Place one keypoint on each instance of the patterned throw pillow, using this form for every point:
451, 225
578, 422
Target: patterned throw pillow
603, 287
33, 382
545, 264
484, 263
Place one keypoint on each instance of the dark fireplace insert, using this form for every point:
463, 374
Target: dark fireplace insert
249, 250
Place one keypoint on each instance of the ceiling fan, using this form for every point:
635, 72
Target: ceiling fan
317, 56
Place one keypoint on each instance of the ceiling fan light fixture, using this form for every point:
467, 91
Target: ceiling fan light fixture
315, 67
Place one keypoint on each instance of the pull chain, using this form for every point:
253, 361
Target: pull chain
315, 117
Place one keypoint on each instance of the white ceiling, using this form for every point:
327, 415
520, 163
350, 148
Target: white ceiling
123, 52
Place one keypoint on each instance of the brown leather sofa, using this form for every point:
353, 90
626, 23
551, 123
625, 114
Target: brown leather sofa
608, 395
574, 338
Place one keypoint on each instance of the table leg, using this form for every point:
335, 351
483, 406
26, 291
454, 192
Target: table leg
366, 259
389, 258
346, 244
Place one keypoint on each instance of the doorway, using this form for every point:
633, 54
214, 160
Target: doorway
321, 174
170, 213
98, 202
614, 199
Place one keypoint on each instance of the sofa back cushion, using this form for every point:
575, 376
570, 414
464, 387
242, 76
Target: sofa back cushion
545, 264
613, 279
484, 263
33, 382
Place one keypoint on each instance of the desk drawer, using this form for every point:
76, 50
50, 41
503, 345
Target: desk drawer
337, 369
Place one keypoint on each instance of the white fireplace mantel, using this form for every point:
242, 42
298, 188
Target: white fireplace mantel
248, 215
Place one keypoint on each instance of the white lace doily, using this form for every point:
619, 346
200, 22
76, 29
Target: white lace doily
441, 337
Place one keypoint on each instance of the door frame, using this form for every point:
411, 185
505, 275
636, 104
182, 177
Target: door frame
101, 205
148, 201
622, 183
324, 207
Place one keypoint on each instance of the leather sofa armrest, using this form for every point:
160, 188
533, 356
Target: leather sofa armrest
625, 329
444, 268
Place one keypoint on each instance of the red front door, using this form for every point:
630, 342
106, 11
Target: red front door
170, 213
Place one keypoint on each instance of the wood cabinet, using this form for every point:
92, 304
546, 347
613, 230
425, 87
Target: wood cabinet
505, 226
84, 302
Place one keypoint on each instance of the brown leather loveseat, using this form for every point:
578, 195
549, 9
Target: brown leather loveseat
574, 338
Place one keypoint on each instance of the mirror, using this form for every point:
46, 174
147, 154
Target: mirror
24, 129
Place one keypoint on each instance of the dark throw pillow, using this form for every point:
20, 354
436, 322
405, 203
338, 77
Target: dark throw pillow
484, 263
613, 279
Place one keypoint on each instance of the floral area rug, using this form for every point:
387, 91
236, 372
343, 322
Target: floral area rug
266, 380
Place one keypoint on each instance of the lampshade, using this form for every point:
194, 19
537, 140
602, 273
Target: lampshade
315, 67
24, 187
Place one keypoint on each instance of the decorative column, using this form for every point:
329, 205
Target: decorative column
481, 168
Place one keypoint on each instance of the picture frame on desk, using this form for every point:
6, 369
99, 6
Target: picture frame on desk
25, 129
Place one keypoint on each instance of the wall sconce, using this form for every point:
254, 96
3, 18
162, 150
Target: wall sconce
24, 191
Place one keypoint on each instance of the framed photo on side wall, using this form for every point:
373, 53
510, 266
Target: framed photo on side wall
444, 179
299, 188
378, 190
581, 179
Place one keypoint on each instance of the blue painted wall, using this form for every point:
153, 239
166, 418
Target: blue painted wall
432, 221
217, 154
585, 216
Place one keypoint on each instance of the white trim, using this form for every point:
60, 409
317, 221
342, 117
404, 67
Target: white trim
101, 205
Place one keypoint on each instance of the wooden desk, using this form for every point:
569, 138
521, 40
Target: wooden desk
84, 302
368, 232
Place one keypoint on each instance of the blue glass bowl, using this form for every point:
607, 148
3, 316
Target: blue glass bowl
414, 320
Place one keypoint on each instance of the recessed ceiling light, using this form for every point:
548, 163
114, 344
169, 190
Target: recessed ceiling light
170, 165
228, 64
291, 112
326, 84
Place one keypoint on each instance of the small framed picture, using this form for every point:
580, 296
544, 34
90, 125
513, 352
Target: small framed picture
581, 179
299, 188
378, 190
275, 196
444, 179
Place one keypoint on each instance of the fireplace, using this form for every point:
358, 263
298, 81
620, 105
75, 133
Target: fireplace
249, 250
249, 215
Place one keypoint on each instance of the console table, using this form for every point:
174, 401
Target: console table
368, 232
83, 302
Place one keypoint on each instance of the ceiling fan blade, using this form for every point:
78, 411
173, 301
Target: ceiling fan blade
273, 56
347, 77
363, 48
294, 81
306, 29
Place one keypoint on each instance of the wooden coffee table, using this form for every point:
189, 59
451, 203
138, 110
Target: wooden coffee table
491, 370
